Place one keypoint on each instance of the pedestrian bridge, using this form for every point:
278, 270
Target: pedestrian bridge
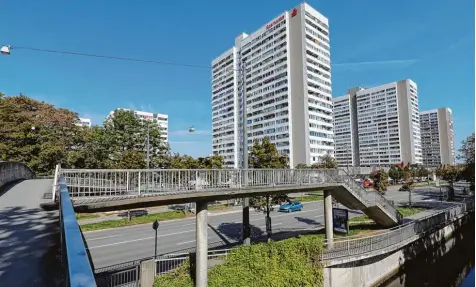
96, 189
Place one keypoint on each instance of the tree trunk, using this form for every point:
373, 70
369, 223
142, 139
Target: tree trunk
267, 216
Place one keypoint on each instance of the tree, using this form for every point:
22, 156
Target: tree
125, 131
302, 166
36, 133
467, 155
326, 161
380, 179
451, 174
395, 172
408, 183
132, 159
264, 154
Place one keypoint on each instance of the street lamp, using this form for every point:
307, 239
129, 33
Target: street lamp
5, 50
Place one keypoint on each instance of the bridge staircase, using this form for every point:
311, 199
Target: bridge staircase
353, 196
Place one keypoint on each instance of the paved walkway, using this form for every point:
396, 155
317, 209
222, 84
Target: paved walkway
29, 239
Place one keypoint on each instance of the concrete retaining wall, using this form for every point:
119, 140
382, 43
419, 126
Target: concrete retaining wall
375, 270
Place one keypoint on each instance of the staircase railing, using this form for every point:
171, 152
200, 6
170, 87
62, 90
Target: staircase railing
368, 197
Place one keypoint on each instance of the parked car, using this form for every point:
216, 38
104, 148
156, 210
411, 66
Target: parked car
291, 206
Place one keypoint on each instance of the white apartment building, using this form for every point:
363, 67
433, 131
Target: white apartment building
437, 137
388, 124
288, 89
345, 129
162, 120
84, 122
379, 126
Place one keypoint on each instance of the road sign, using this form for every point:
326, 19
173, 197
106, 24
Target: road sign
155, 225
340, 218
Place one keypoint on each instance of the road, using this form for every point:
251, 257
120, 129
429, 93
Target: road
116, 246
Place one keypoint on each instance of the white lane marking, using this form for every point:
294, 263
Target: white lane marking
181, 232
140, 239
181, 243
104, 237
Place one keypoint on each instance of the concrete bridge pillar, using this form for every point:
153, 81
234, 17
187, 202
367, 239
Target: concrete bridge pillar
328, 218
246, 222
201, 265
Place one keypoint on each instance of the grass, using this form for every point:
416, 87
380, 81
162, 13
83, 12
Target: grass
405, 211
162, 216
81, 216
219, 207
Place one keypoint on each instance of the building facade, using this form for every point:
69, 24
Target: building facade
84, 122
285, 69
346, 139
162, 120
437, 137
383, 125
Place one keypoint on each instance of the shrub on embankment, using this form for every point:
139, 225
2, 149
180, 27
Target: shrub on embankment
291, 262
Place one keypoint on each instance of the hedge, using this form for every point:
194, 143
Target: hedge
291, 262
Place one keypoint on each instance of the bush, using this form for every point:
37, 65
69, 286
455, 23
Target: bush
291, 262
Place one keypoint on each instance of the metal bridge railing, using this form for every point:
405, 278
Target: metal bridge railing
352, 246
77, 270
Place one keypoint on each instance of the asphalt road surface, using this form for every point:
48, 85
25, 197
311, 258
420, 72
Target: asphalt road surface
119, 245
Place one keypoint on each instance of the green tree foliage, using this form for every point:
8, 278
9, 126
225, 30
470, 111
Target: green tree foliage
395, 172
467, 155
41, 136
408, 183
380, 179
326, 161
451, 174
265, 155
36, 133
291, 262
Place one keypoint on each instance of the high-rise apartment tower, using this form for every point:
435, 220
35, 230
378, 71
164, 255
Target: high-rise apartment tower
437, 137
286, 63
379, 126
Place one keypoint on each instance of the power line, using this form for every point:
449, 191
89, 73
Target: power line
112, 57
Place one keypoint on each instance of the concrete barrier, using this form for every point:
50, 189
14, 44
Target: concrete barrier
13, 171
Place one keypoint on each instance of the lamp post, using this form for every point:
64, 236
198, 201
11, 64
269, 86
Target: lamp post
155, 226
246, 200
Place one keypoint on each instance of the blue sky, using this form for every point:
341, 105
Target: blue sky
372, 43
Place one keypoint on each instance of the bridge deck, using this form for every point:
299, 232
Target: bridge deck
146, 198
27, 236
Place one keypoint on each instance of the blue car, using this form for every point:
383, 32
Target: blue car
291, 206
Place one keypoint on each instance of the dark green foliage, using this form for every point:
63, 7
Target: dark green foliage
467, 155
380, 179
265, 155
291, 262
121, 143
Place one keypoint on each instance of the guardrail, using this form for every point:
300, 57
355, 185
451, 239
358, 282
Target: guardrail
12, 171
106, 183
77, 270
397, 236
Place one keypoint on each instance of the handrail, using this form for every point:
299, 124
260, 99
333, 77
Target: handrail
378, 198
77, 268
356, 246
12, 171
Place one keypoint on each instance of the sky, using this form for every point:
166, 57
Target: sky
372, 43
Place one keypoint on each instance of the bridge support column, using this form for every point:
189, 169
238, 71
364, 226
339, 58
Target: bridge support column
201, 265
328, 218
246, 222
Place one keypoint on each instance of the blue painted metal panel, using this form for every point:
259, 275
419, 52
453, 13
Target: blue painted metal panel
79, 270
